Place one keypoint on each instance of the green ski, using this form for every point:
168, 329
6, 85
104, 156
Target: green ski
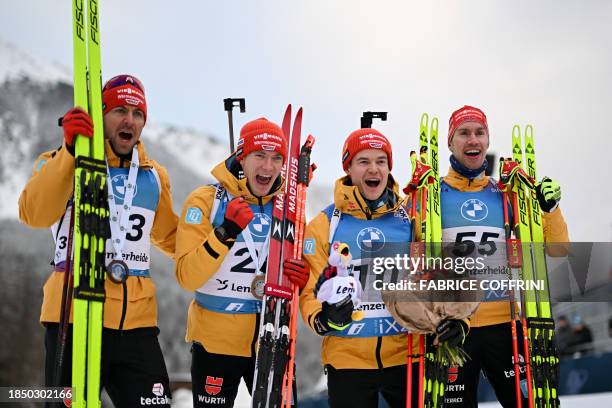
543, 323
544, 362
91, 211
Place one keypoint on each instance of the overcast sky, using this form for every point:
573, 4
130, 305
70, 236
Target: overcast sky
542, 62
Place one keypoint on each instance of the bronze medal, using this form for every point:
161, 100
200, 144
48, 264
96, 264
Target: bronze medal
117, 271
257, 286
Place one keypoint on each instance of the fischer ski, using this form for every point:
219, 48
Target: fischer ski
91, 228
514, 252
544, 359
424, 187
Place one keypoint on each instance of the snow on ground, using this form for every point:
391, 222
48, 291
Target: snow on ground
603, 399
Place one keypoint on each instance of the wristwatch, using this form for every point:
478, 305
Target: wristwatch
223, 236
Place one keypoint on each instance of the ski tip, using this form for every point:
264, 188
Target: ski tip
434, 123
287, 115
424, 119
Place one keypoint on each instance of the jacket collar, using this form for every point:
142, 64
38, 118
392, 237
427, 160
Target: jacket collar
115, 161
349, 200
462, 183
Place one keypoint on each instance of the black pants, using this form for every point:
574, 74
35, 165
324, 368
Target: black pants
215, 378
133, 368
360, 387
490, 351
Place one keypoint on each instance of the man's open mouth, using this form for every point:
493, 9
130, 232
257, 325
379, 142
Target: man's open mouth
125, 135
263, 179
372, 182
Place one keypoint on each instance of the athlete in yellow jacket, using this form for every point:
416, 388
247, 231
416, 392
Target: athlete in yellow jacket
369, 356
222, 248
130, 309
472, 208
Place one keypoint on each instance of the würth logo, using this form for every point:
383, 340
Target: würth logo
213, 385
453, 373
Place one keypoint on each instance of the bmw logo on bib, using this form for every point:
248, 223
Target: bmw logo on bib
260, 225
474, 210
370, 239
119, 186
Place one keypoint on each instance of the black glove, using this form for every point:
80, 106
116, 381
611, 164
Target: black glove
549, 194
452, 331
335, 316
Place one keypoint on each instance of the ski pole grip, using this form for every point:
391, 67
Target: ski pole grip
228, 105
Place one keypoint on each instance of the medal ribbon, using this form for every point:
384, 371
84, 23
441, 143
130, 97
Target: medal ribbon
120, 215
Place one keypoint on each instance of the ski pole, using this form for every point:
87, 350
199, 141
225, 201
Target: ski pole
512, 263
65, 306
369, 116
305, 170
421, 177
229, 104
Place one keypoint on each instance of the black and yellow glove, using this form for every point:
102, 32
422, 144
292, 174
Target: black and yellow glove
549, 194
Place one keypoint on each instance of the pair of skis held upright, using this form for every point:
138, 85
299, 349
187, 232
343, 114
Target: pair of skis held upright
526, 255
274, 371
424, 188
541, 362
90, 217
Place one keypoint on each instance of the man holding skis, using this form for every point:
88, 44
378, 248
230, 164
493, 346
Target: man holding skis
133, 367
368, 357
489, 342
222, 248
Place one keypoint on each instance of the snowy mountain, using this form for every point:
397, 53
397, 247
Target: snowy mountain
16, 64
33, 94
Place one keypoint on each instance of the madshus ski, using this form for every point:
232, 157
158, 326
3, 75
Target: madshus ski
275, 325
91, 228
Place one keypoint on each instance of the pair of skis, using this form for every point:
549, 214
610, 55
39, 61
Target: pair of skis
91, 228
541, 357
424, 188
274, 370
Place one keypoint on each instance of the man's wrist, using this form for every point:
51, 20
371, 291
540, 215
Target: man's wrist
223, 236
320, 326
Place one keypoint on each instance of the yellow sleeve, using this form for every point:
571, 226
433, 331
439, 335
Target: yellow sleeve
317, 231
44, 197
198, 251
555, 233
163, 233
